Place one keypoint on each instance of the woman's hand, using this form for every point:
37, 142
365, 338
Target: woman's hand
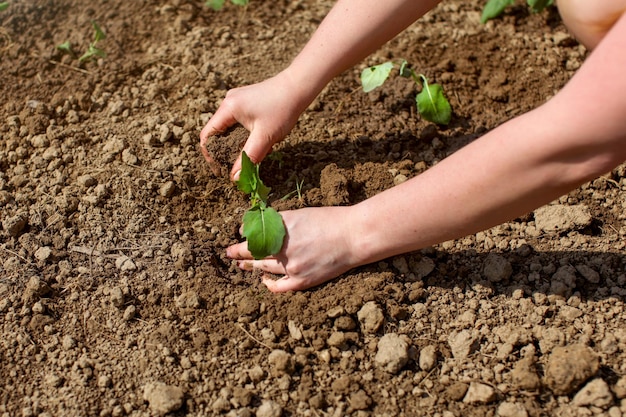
319, 246
268, 110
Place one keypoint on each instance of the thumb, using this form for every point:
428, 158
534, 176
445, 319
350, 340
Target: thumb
257, 147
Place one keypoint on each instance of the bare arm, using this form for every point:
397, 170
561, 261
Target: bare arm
517, 167
352, 30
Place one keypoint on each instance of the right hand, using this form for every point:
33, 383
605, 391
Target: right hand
268, 110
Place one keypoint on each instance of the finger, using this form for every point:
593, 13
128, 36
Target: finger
256, 147
239, 251
268, 265
283, 284
221, 120
218, 123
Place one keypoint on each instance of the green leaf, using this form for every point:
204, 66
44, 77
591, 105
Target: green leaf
264, 230
66, 47
92, 53
215, 4
98, 33
538, 5
494, 8
375, 76
250, 182
4, 5
432, 104
248, 177
240, 2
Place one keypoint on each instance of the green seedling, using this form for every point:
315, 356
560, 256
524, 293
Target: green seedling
93, 52
263, 226
297, 191
431, 102
218, 4
4, 5
494, 8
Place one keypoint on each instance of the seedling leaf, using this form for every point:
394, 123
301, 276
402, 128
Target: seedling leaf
538, 5
98, 33
247, 182
432, 104
4, 5
375, 76
92, 52
250, 182
240, 2
215, 4
66, 47
494, 8
264, 230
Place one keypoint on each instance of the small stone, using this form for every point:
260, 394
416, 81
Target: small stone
562, 218
14, 225
86, 181
294, 331
479, 393
189, 300
588, 273
269, 408
345, 323
43, 253
393, 353
116, 108
497, 268
128, 157
620, 388
524, 375
423, 267
165, 133
39, 141
462, 344
163, 398
371, 317
569, 367
596, 393
428, 358
104, 381
281, 362
68, 342
168, 189
511, 409
129, 313
221, 405
457, 391
53, 380
116, 296
124, 263
360, 400
338, 340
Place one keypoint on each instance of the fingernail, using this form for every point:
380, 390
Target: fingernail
236, 176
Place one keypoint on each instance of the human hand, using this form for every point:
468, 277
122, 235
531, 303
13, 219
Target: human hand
268, 110
319, 246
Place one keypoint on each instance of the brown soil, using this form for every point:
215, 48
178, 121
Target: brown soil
116, 297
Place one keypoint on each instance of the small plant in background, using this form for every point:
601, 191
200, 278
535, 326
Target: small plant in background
4, 5
218, 4
431, 102
494, 8
263, 226
93, 52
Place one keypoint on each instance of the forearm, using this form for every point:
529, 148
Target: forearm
517, 167
351, 31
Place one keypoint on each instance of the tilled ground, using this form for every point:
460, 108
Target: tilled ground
116, 297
